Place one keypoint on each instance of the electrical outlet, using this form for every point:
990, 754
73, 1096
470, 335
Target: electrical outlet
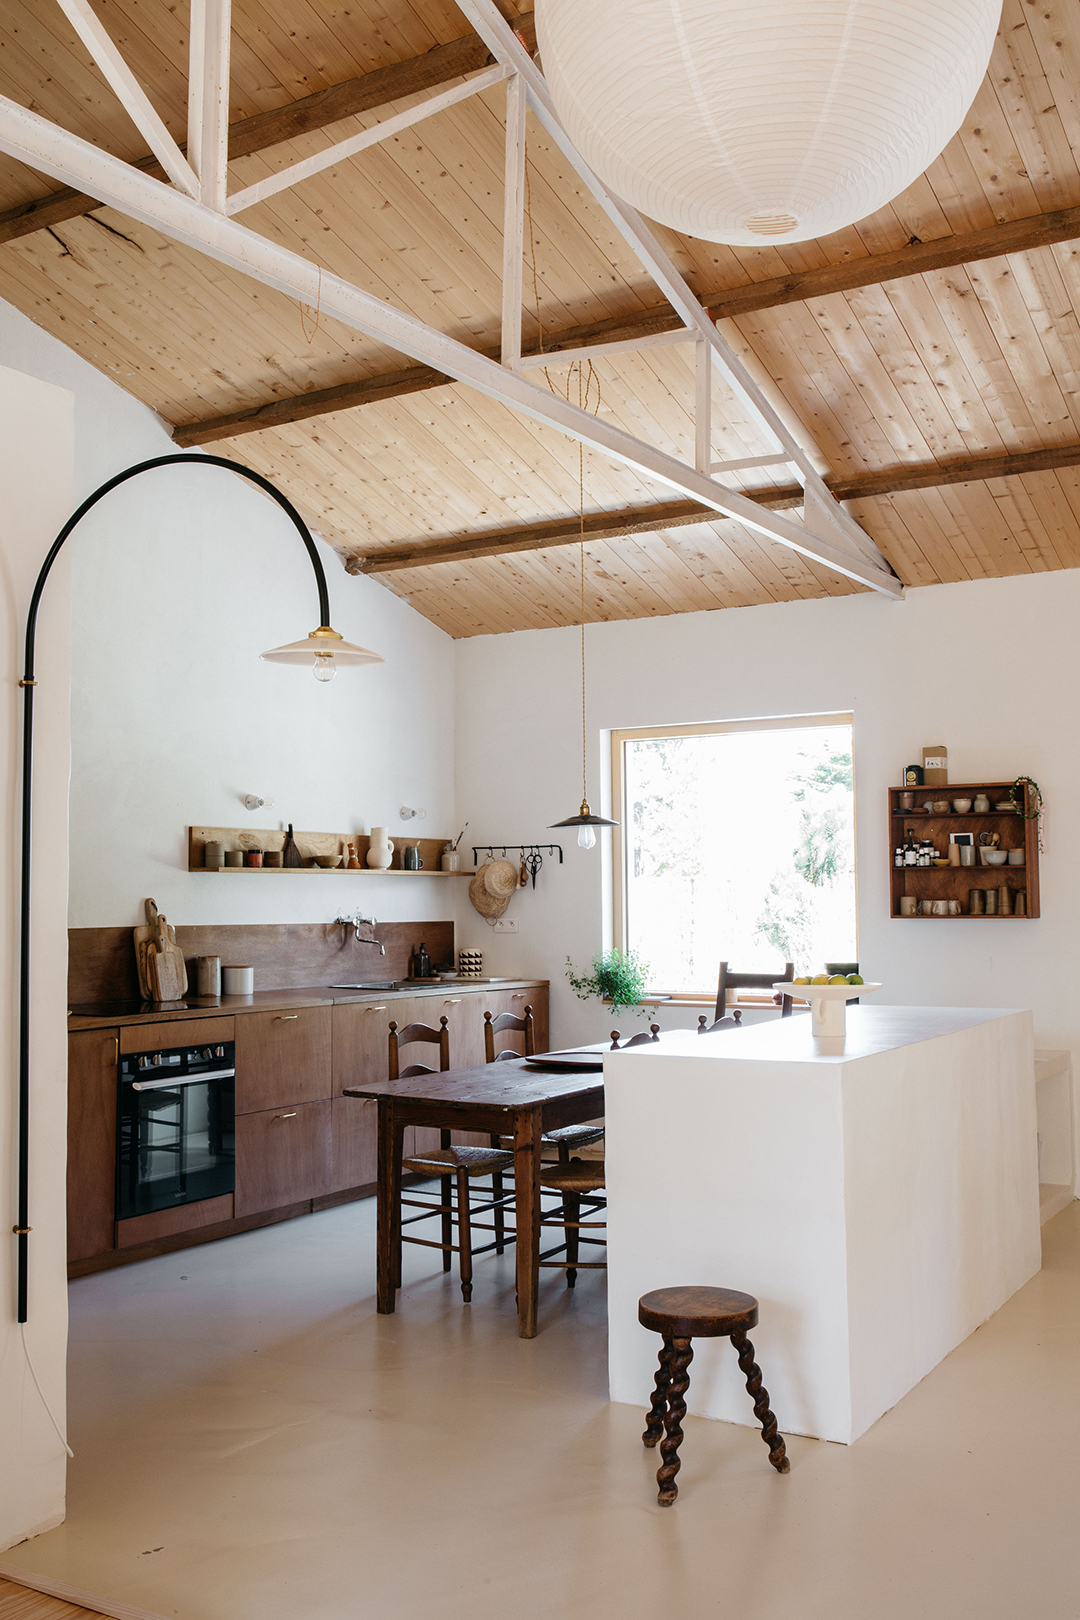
506, 925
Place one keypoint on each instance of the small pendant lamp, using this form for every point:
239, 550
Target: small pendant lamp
326, 650
585, 822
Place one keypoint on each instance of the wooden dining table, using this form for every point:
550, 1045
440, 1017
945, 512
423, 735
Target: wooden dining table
509, 1099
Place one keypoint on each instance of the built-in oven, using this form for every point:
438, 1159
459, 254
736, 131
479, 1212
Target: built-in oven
175, 1127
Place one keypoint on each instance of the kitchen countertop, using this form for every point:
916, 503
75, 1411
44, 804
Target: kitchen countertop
97, 1015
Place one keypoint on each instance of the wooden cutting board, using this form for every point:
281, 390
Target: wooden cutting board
143, 936
167, 972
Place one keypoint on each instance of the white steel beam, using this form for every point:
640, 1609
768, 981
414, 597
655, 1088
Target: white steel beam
42, 145
599, 351
703, 406
357, 143
131, 94
513, 220
208, 98
507, 47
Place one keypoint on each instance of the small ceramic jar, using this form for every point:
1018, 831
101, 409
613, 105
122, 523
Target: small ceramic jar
982, 804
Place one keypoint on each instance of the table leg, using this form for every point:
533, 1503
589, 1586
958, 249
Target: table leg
527, 1132
388, 1250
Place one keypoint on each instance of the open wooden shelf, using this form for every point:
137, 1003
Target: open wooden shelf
954, 882
311, 844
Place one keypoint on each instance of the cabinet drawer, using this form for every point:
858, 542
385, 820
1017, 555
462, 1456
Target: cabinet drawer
282, 1157
175, 1032
282, 1058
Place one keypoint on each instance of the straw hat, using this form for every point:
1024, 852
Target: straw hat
491, 888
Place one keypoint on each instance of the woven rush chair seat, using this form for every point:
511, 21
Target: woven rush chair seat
579, 1176
475, 1161
579, 1186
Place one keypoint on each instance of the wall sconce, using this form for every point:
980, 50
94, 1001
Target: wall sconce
253, 802
411, 815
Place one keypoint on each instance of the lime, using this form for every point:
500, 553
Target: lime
838, 978
855, 978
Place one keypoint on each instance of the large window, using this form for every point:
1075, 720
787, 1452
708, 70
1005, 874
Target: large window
737, 844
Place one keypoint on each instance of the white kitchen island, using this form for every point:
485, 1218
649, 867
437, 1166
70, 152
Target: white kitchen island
880, 1203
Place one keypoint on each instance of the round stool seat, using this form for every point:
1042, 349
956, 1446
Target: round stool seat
697, 1313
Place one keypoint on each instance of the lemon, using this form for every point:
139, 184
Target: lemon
855, 978
800, 981
837, 978
822, 978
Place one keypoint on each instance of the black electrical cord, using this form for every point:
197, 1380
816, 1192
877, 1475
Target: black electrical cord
22, 1228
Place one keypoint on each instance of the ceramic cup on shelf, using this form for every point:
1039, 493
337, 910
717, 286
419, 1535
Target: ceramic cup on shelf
954, 854
940, 807
907, 905
1004, 901
410, 858
1016, 857
954, 908
926, 908
940, 908
961, 806
380, 850
967, 854
907, 801
990, 899
975, 902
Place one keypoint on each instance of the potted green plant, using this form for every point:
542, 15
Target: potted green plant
621, 977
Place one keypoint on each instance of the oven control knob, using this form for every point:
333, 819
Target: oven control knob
144, 1061
219, 1051
207, 1054
156, 1058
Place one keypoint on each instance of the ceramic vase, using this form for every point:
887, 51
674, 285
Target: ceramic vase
380, 849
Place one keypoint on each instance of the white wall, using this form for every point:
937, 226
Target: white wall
36, 429
181, 578
990, 668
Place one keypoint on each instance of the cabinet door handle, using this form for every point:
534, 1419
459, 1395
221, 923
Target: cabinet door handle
518, 997
285, 1018
451, 1001
292, 1115
374, 1009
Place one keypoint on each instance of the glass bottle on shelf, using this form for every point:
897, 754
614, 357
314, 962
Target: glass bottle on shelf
911, 853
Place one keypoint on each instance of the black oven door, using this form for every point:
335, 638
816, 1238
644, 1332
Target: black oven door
175, 1140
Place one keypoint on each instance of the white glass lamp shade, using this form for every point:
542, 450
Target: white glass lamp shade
326, 646
757, 121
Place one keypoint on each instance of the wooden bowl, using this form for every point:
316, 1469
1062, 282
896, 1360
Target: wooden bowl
328, 862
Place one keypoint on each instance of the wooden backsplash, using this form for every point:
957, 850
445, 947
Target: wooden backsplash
285, 956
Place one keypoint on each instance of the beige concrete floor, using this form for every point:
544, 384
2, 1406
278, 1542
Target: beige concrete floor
254, 1443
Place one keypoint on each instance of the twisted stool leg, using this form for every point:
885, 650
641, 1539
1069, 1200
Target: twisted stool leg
682, 1353
760, 1397
654, 1420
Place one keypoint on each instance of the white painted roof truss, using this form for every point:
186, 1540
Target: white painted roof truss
196, 210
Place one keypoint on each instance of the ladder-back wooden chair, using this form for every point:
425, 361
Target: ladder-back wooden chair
567, 1137
751, 981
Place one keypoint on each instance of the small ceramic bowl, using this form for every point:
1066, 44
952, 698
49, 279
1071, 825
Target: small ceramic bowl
940, 807
995, 857
961, 806
941, 863
328, 862
1016, 857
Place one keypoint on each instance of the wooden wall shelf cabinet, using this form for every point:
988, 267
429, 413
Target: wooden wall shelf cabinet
300, 1144
311, 844
956, 882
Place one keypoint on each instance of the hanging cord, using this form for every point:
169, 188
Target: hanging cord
41, 1392
309, 337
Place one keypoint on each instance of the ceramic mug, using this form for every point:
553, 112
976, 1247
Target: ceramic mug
954, 908
940, 908
926, 908
967, 854
410, 858
907, 801
907, 905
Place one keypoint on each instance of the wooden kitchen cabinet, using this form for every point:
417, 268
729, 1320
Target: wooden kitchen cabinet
283, 1058
282, 1156
91, 1164
355, 1133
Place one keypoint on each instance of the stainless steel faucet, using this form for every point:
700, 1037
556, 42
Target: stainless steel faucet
358, 922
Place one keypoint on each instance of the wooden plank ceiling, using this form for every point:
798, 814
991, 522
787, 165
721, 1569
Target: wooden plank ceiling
921, 379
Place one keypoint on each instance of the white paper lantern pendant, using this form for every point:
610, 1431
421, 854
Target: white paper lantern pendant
755, 121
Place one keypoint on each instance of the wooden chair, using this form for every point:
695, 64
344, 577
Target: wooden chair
681, 1315
845, 968
705, 1028
642, 1039
448, 1163
566, 1137
751, 981
579, 1185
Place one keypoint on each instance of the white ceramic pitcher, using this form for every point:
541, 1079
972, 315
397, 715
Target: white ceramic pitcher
380, 849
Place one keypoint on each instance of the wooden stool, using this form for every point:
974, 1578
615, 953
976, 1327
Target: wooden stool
682, 1314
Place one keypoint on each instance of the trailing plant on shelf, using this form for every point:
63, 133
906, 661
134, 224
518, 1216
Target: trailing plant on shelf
621, 977
1032, 798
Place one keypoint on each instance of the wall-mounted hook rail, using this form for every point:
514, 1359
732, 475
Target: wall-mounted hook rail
532, 855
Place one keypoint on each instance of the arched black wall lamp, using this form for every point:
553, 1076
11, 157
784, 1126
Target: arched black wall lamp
323, 650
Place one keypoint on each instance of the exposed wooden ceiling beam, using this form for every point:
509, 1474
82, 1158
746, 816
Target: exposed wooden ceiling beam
325, 107
679, 514
1013, 237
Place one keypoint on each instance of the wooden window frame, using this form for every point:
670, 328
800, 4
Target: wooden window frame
619, 737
